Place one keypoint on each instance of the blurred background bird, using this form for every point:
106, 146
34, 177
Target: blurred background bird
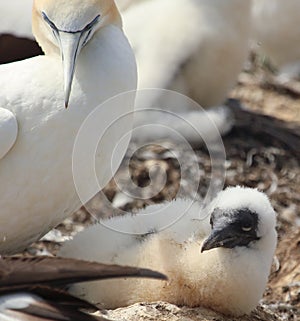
196, 48
276, 35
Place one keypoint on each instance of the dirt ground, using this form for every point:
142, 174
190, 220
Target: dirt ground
253, 158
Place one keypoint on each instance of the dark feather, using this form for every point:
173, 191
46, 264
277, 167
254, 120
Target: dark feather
14, 48
36, 277
19, 272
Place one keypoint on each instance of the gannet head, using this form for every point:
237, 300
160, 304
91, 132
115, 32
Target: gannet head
242, 217
64, 27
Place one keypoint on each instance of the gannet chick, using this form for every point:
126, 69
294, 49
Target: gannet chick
29, 287
276, 33
199, 56
221, 260
88, 60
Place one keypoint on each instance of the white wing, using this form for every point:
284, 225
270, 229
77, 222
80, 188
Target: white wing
8, 131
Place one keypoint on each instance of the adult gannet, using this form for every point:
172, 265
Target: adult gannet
88, 60
276, 32
199, 56
220, 261
29, 287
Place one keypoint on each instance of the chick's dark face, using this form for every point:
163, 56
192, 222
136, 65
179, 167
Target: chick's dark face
231, 228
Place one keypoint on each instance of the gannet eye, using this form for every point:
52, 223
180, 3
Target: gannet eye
50, 23
246, 228
92, 23
88, 28
52, 26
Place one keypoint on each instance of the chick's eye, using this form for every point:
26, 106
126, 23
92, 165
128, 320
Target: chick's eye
246, 228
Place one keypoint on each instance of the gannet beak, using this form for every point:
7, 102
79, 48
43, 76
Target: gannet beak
228, 237
70, 43
70, 46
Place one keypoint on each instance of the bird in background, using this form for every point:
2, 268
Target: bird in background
87, 61
218, 257
124, 4
276, 34
31, 287
194, 47
16, 18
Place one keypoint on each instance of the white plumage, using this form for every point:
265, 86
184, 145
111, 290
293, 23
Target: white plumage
124, 4
195, 47
276, 32
37, 189
229, 275
8, 131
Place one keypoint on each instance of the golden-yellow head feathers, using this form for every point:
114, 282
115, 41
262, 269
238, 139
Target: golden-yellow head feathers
70, 16
64, 27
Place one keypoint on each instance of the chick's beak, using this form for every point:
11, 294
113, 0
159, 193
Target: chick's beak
216, 239
228, 237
